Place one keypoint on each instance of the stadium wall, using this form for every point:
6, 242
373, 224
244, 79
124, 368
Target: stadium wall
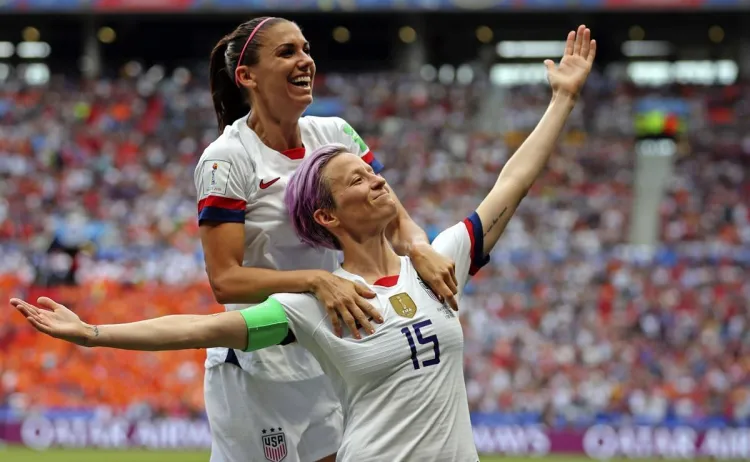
599, 442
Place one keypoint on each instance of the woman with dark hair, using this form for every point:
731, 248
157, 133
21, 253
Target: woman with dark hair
251, 250
402, 387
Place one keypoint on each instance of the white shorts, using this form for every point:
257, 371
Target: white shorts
257, 420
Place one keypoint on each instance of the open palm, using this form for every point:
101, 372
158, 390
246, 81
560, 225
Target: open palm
570, 75
53, 319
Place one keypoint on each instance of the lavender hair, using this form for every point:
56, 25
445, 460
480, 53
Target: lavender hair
307, 192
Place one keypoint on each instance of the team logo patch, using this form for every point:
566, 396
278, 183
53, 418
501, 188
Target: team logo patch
274, 444
216, 176
403, 305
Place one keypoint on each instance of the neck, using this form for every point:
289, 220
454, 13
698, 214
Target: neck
371, 258
279, 135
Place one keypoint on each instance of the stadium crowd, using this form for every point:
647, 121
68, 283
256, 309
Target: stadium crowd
567, 324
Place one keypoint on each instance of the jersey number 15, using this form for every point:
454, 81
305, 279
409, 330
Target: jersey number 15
423, 340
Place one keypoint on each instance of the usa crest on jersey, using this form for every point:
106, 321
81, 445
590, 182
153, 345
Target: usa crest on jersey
274, 445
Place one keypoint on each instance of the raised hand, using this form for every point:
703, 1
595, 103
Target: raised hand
568, 77
346, 301
438, 272
55, 320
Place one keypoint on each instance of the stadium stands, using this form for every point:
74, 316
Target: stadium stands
567, 325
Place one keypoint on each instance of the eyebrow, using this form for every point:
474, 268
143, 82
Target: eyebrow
358, 171
290, 44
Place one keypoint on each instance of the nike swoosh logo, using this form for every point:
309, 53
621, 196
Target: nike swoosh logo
264, 185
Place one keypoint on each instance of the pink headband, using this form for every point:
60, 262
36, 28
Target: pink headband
249, 39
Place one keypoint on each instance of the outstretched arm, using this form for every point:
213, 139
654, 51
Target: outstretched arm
525, 166
176, 332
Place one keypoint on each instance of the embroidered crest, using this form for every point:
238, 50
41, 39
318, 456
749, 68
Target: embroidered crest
274, 444
403, 305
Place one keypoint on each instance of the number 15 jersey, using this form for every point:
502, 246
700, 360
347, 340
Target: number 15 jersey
402, 388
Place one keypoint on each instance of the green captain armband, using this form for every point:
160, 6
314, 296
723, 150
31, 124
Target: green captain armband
267, 324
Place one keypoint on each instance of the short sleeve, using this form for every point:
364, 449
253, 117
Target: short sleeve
304, 313
464, 244
346, 135
220, 179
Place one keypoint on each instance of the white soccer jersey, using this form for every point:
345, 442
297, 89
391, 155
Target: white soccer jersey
241, 180
402, 388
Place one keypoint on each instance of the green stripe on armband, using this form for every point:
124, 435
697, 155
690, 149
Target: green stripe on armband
267, 324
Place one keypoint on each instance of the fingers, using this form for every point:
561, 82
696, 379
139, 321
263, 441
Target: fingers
585, 43
579, 40
22, 307
445, 294
370, 311
25, 308
355, 313
569, 43
454, 278
451, 301
363, 290
31, 313
335, 321
49, 304
348, 319
592, 52
550, 65
38, 325
451, 285
362, 319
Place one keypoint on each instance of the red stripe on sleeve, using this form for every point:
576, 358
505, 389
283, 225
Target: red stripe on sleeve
470, 229
222, 203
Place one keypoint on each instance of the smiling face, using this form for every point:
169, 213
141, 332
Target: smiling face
282, 79
362, 203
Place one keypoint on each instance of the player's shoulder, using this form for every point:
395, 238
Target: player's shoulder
229, 146
303, 311
296, 301
322, 122
460, 235
449, 235
327, 129
226, 147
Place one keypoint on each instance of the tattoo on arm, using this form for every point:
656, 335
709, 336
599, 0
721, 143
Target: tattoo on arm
87, 341
494, 222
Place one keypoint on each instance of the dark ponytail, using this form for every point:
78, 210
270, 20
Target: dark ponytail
230, 101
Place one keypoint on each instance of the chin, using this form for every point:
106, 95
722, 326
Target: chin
301, 103
392, 210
